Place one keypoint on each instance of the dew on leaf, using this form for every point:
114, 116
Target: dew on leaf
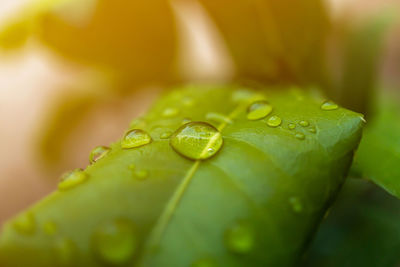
304, 123
258, 110
25, 223
115, 243
312, 130
217, 117
197, 140
72, 179
329, 105
135, 138
274, 121
239, 238
98, 153
292, 126
300, 136
170, 112
296, 204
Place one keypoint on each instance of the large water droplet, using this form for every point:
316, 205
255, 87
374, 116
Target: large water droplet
274, 121
135, 138
240, 238
72, 179
197, 140
259, 110
50, 228
217, 117
98, 153
208, 262
170, 112
296, 204
304, 123
65, 250
115, 243
329, 105
25, 223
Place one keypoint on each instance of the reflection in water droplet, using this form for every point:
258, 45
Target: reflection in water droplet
300, 136
240, 238
296, 204
329, 105
135, 138
115, 243
98, 153
197, 140
304, 123
259, 110
65, 250
25, 223
72, 179
141, 174
170, 112
166, 135
50, 228
274, 121
292, 126
217, 117
208, 262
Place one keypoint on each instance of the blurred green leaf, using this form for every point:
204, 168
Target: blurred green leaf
265, 190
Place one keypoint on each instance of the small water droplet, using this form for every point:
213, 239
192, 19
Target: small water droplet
166, 135
217, 117
274, 121
98, 153
188, 101
292, 126
115, 243
141, 174
65, 250
170, 112
208, 262
300, 136
240, 238
329, 105
258, 110
25, 223
296, 204
72, 179
135, 138
304, 123
50, 228
312, 130
197, 140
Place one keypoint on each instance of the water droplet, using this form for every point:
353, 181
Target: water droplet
115, 243
141, 174
296, 204
259, 110
208, 262
300, 136
170, 112
166, 135
98, 153
304, 123
135, 138
240, 238
197, 140
72, 179
188, 101
292, 126
274, 121
312, 130
217, 117
65, 250
329, 105
50, 228
25, 223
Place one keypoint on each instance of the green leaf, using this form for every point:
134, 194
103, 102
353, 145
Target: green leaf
274, 40
254, 199
362, 229
378, 157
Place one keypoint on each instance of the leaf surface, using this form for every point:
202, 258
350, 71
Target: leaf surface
256, 202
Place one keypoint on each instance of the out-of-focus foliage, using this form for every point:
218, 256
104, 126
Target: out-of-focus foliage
362, 229
378, 156
151, 206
